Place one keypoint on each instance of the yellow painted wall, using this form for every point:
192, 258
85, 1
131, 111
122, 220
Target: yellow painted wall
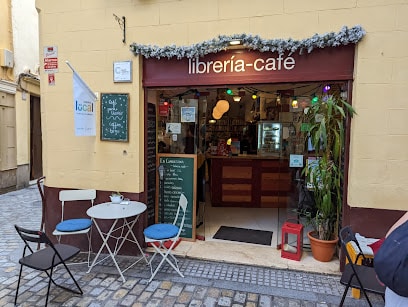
5, 29
6, 37
87, 35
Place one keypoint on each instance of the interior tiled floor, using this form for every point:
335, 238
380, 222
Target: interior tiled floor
270, 219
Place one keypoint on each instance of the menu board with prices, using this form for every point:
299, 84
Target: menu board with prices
180, 176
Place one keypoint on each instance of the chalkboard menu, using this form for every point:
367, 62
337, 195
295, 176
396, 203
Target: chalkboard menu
151, 162
179, 177
114, 117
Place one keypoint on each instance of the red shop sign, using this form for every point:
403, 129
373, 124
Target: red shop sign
249, 66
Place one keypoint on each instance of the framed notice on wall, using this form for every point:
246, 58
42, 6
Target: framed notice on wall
114, 117
122, 71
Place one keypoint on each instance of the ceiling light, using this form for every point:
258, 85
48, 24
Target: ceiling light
278, 99
237, 98
295, 104
315, 99
212, 121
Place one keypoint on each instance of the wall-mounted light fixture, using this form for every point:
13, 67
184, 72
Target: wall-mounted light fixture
235, 42
122, 25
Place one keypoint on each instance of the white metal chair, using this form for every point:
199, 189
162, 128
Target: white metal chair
75, 226
158, 234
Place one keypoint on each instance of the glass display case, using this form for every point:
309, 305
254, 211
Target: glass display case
269, 138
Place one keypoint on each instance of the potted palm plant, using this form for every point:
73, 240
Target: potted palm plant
325, 175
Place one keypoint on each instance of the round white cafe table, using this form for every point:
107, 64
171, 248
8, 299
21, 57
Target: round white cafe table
128, 212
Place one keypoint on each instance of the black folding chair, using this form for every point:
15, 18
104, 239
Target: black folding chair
357, 276
45, 259
40, 186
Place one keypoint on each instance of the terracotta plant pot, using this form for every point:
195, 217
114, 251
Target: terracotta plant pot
322, 250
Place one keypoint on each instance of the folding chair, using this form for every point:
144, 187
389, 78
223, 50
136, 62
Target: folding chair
76, 225
357, 276
158, 234
45, 259
40, 186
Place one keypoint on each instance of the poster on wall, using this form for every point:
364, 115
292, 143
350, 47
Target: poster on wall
50, 59
173, 128
188, 114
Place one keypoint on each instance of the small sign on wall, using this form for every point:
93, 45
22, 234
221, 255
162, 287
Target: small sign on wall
173, 128
122, 71
296, 161
114, 117
50, 59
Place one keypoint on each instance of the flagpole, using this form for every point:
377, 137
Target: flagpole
69, 65
74, 71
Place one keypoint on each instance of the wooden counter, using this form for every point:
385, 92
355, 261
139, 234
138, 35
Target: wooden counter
250, 181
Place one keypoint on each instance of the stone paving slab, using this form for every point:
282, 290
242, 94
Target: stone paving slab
206, 283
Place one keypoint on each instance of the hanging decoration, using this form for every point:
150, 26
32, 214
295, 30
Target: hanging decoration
220, 43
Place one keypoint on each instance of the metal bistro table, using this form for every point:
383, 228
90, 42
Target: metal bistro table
129, 212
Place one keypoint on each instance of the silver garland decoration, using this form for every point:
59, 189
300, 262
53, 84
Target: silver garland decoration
220, 43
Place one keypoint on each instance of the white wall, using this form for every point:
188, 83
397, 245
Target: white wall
25, 37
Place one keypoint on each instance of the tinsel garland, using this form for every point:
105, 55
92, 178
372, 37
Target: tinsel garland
344, 37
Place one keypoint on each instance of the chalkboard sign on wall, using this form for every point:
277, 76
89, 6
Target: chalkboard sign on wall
179, 177
114, 117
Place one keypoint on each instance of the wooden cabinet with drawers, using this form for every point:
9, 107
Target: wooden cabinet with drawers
246, 181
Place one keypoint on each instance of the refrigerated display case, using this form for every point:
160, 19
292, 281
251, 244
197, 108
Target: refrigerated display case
269, 138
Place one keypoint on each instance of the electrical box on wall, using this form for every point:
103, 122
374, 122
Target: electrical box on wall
6, 58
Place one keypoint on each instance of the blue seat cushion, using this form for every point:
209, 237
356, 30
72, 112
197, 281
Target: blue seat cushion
74, 225
161, 231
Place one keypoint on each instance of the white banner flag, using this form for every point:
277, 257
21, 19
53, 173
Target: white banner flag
84, 107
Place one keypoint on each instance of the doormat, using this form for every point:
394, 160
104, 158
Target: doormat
244, 235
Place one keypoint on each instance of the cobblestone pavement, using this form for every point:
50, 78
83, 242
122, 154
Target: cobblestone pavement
206, 283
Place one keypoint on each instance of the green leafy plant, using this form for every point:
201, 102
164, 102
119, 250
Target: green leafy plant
327, 133
116, 193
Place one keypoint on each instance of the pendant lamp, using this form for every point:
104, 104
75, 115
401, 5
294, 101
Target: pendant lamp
216, 114
222, 106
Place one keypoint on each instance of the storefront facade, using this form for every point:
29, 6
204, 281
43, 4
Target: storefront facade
376, 181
